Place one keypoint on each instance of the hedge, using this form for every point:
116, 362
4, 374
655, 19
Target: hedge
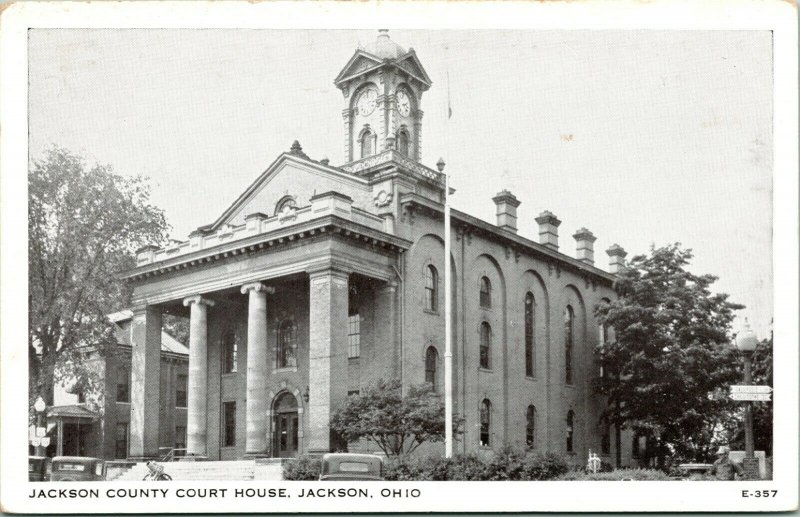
617, 475
506, 464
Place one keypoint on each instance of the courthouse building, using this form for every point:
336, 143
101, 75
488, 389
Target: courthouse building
321, 279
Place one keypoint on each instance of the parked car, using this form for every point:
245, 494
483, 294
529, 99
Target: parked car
343, 466
38, 468
77, 468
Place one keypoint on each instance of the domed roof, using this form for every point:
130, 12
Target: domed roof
384, 47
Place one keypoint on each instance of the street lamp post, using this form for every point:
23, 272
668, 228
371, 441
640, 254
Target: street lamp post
747, 342
39, 406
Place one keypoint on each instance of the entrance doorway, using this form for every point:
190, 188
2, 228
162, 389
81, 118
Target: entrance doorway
76, 437
285, 426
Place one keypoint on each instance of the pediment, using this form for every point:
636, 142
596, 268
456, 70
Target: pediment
290, 176
358, 64
411, 64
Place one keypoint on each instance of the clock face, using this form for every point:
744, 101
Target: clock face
403, 103
366, 102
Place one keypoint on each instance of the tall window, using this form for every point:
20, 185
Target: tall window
605, 440
123, 385
530, 324
603, 341
570, 430
486, 345
530, 426
230, 352
121, 442
366, 143
229, 424
354, 336
180, 440
486, 422
431, 288
486, 293
569, 318
287, 344
402, 141
430, 366
180, 391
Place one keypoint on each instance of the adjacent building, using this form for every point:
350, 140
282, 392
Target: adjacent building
321, 279
97, 424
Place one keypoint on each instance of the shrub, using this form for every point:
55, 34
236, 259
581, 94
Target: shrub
541, 466
617, 475
304, 468
405, 468
464, 467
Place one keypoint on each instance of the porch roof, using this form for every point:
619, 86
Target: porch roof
72, 411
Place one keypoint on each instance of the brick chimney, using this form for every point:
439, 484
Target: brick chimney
616, 259
584, 239
507, 205
548, 229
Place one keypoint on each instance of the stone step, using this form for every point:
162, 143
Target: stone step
209, 470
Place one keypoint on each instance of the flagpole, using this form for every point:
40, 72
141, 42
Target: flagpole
448, 295
448, 327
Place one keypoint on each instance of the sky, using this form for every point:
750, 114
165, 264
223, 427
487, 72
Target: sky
644, 137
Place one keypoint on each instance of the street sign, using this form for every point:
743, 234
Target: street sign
751, 389
35, 442
32, 432
756, 397
41, 431
45, 441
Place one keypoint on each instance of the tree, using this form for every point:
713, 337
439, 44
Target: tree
397, 424
670, 361
84, 225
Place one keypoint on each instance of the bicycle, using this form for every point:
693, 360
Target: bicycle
156, 472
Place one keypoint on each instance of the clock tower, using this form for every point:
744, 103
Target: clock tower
382, 86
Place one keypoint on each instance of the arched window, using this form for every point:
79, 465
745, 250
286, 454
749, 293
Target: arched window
530, 426
486, 422
486, 345
285, 204
431, 288
605, 439
430, 366
230, 352
486, 293
603, 341
570, 430
366, 139
530, 358
403, 141
287, 343
569, 318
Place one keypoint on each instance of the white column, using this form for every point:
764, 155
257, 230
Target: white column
257, 404
196, 434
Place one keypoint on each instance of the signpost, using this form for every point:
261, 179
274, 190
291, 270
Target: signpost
752, 393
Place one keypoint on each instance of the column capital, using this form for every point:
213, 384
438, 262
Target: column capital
257, 287
198, 299
390, 286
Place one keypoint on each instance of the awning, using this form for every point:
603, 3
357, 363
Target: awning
74, 411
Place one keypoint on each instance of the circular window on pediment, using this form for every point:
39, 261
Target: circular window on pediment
285, 205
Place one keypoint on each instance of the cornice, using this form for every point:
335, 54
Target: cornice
323, 226
512, 241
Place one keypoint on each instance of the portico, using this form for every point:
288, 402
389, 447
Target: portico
285, 298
